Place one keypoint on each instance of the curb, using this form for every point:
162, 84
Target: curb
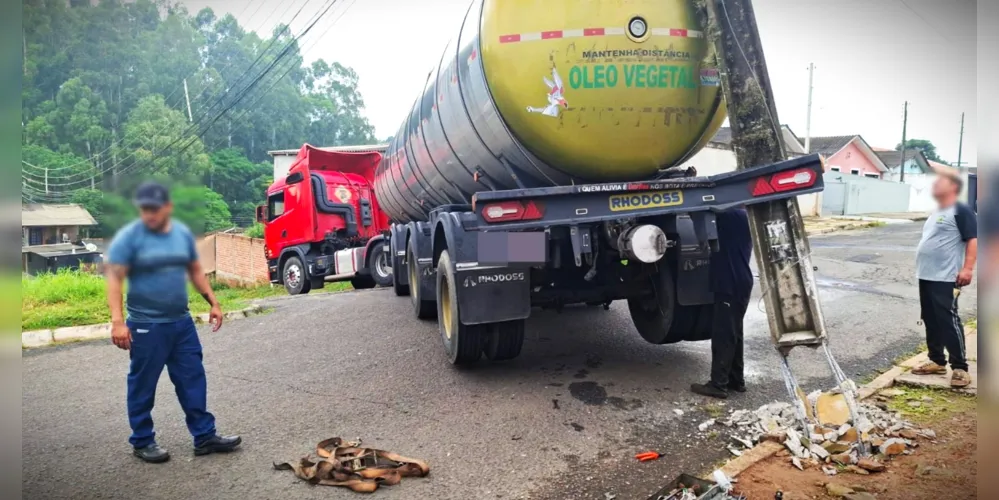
838, 227
42, 338
765, 450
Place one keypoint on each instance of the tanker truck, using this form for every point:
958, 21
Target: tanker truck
539, 168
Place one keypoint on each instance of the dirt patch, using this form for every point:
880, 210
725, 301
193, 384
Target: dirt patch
945, 467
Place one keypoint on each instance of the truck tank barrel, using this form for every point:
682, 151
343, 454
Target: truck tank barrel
550, 93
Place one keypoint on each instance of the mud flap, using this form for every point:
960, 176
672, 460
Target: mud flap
493, 294
697, 235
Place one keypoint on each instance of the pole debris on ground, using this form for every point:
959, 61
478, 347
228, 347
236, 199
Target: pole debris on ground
834, 441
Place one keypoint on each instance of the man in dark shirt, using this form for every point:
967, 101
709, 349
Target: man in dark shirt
732, 283
945, 263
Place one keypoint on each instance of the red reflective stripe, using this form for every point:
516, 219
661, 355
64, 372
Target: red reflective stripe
677, 32
509, 38
545, 35
593, 32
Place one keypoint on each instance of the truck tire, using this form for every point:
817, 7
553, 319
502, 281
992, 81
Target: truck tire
504, 340
424, 309
362, 282
462, 343
380, 265
294, 277
653, 315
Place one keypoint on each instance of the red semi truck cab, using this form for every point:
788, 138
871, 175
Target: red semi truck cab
323, 223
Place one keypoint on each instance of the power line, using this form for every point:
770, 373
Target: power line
250, 107
263, 52
920, 16
242, 93
165, 100
245, 91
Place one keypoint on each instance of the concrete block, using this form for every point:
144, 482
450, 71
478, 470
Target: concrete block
88, 332
36, 338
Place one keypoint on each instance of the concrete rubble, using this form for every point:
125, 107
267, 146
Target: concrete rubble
832, 440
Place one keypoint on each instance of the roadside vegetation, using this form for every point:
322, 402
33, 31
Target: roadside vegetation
73, 298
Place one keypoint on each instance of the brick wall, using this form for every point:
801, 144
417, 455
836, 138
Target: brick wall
237, 258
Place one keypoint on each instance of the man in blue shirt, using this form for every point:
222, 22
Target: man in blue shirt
157, 255
732, 284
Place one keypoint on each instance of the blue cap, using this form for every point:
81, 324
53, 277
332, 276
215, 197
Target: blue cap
151, 194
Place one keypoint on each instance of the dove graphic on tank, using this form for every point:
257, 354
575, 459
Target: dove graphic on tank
555, 97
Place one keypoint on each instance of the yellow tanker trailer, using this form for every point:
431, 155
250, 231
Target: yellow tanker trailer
534, 170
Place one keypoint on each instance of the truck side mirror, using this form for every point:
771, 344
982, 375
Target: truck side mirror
294, 178
261, 213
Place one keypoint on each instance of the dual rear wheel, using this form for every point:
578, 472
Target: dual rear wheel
465, 344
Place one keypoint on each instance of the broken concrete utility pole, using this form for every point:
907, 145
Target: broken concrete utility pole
779, 240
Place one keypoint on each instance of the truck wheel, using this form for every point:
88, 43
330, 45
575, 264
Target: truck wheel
379, 265
294, 278
504, 340
462, 343
362, 282
424, 309
653, 315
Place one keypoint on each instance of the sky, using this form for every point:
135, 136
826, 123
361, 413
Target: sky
870, 57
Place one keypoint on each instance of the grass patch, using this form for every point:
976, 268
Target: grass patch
714, 410
71, 298
934, 404
10, 295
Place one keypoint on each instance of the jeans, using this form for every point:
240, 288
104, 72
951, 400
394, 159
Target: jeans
176, 346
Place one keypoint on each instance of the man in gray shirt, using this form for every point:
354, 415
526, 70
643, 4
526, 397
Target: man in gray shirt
945, 262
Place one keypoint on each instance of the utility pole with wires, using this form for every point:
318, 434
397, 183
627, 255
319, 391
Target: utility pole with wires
960, 143
901, 158
187, 97
808, 114
780, 243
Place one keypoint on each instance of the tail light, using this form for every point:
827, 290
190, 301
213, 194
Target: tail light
784, 181
508, 211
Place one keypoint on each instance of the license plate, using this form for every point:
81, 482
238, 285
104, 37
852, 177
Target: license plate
638, 201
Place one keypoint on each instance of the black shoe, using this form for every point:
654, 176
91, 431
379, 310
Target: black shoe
218, 444
152, 454
737, 387
709, 390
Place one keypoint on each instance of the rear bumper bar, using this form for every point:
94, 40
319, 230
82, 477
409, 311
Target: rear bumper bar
593, 203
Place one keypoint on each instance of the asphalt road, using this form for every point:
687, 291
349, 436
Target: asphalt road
561, 421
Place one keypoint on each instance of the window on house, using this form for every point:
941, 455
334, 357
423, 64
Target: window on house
834, 169
275, 205
872, 176
855, 171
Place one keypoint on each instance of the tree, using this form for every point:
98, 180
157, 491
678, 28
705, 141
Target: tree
160, 143
200, 208
110, 210
241, 183
103, 84
927, 147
